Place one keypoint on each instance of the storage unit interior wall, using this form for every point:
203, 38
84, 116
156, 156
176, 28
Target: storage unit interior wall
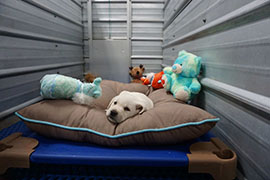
71, 36
137, 24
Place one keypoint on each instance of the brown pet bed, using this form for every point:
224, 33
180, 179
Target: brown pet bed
169, 122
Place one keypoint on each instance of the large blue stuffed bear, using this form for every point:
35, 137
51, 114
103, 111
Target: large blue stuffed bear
181, 78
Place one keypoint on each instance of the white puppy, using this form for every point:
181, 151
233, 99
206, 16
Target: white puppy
126, 105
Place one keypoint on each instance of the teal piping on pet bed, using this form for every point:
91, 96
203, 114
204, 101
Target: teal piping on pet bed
119, 135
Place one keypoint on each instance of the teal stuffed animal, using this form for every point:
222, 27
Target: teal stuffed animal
181, 78
56, 86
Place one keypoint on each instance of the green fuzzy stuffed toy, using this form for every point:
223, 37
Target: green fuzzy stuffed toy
181, 78
56, 86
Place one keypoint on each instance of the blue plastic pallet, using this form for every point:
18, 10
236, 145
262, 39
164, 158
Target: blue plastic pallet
78, 172
84, 157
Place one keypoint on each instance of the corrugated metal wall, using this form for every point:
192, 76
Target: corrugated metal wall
146, 34
109, 20
233, 39
36, 38
86, 38
140, 21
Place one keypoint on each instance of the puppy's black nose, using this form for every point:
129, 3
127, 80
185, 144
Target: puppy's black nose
138, 72
113, 113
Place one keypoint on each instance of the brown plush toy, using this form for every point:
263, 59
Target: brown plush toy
89, 78
136, 73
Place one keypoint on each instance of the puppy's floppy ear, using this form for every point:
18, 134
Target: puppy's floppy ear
140, 108
130, 68
113, 99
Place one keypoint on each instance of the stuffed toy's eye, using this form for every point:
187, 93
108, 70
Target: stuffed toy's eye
126, 109
115, 102
181, 64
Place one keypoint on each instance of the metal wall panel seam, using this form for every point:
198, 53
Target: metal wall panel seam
146, 39
18, 107
19, 95
109, 1
34, 36
166, 4
252, 99
65, 8
14, 62
112, 38
43, 30
148, 20
45, 8
255, 70
23, 70
109, 20
149, 69
30, 78
124, 1
255, 10
129, 29
36, 17
90, 28
75, 2
147, 1
146, 57
250, 42
84, 53
183, 15
177, 12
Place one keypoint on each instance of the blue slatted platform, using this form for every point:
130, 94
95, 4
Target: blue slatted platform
63, 153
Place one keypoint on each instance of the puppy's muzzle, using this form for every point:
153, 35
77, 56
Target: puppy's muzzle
113, 113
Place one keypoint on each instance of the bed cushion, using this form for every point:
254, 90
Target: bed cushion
169, 122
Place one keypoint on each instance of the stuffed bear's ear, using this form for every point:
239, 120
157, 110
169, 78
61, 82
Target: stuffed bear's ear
141, 66
97, 81
130, 67
198, 62
181, 53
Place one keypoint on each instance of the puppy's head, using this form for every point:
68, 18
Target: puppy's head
122, 107
136, 72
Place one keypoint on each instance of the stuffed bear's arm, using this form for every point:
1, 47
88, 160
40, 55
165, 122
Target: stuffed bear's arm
167, 70
167, 81
195, 86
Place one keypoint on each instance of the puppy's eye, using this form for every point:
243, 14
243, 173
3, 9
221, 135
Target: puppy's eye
126, 109
115, 102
